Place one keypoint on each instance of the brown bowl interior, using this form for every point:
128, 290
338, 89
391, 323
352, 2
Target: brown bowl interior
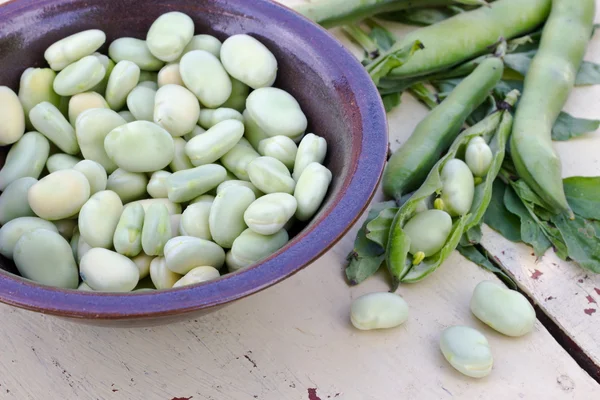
336, 94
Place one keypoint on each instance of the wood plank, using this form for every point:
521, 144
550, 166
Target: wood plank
568, 294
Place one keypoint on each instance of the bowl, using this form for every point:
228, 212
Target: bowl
337, 95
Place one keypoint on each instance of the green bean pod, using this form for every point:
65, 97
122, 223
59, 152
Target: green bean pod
549, 80
467, 35
408, 167
407, 267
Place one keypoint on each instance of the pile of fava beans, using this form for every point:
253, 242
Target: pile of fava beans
166, 163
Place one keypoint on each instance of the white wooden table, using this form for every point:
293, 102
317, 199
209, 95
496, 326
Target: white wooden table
294, 341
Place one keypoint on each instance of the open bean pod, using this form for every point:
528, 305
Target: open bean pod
403, 265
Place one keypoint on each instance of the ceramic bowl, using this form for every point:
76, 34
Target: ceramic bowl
335, 92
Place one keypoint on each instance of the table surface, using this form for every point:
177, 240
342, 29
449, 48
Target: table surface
294, 341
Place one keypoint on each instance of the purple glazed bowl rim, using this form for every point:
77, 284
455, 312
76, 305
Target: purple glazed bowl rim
358, 189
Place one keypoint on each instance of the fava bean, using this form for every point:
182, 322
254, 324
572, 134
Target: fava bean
169, 75
99, 217
176, 109
13, 200
140, 146
107, 271
204, 75
180, 161
73, 48
428, 231
66, 227
137, 51
59, 161
127, 115
75, 243
35, 87
175, 220
280, 147
478, 156
198, 275
226, 219
234, 182
209, 117
458, 187
84, 101
162, 277
239, 94
269, 213
156, 230
169, 34
187, 184
45, 257
251, 247
204, 198
238, 158
203, 42
84, 287
249, 61
252, 132
194, 220
127, 237
50, 122
109, 65
26, 158
270, 175
149, 85
184, 253
82, 249
11, 232
157, 187
140, 102
142, 262
129, 186
12, 117
215, 142
467, 350
276, 112
95, 174
198, 130
79, 77
507, 311
311, 190
172, 208
124, 77
312, 148
92, 127
59, 195
378, 311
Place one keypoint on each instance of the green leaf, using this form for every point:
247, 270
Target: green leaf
381, 36
394, 58
555, 237
392, 100
526, 194
582, 241
567, 126
519, 62
485, 109
474, 234
499, 218
531, 233
583, 195
588, 74
423, 94
367, 256
473, 254
378, 230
